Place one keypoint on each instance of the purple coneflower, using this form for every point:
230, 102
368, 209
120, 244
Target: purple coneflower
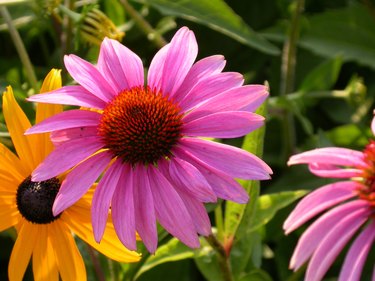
144, 137
349, 206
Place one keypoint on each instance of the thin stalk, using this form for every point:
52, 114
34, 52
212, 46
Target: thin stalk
223, 258
144, 25
20, 49
66, 35
95, 261
219, 221
288, 67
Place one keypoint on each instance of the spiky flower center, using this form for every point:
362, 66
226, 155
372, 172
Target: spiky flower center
367, 192
140, 125
35, 200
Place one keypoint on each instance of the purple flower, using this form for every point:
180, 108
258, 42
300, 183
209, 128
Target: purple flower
349, 209
145, 139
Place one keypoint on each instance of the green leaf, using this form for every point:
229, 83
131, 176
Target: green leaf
217, 15
207, 262
174, 250
234, 212
348, 32
322, 77
348, 136
268, 205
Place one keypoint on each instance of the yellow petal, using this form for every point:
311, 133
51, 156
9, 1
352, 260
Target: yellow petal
79, 220
17, 123
43, 111
44, 260
52, 81
9, 215
69, 259
22, 250
11, 165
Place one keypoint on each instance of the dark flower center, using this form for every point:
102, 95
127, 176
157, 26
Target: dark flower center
35, 200
140, 126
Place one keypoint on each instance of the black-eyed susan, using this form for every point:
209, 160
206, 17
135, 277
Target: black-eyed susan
45, 239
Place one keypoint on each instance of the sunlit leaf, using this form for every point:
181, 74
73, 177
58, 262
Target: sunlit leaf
215, 14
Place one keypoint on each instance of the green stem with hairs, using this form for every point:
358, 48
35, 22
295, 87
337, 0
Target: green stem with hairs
144, 25
20, 49
288, 74
223, 258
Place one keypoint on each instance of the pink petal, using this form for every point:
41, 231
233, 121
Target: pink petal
155, 71
89, 77
356, 257
230, 124
123, 215
102, 198
245, 98
314, 235
70, 95
65, 120
210, 87
223, 186
333, 243
200, 70
194, 206
62, 136
198, 212
318, 201
329, 156
145, 220
181, 55
65, 157
79, 180
231, 160
171, 211
191, 180
331, 171
120, 66
373, 127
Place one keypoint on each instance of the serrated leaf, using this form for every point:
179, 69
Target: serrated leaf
217, 15
174, 250
268, 205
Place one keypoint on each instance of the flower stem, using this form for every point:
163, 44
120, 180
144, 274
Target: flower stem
288, 74
20, 48
96, 264
223, 258
151, 33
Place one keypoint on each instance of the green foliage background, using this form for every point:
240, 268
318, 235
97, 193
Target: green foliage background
327, 102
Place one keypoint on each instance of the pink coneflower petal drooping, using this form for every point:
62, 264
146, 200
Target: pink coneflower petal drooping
145, 138
349, 209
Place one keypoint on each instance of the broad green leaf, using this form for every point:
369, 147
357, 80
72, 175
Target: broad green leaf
323, 77
207, 262
348, 32
174, 250
234, 212
217, 15
268, 205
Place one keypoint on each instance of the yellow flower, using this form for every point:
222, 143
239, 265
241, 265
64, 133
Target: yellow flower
26, 205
